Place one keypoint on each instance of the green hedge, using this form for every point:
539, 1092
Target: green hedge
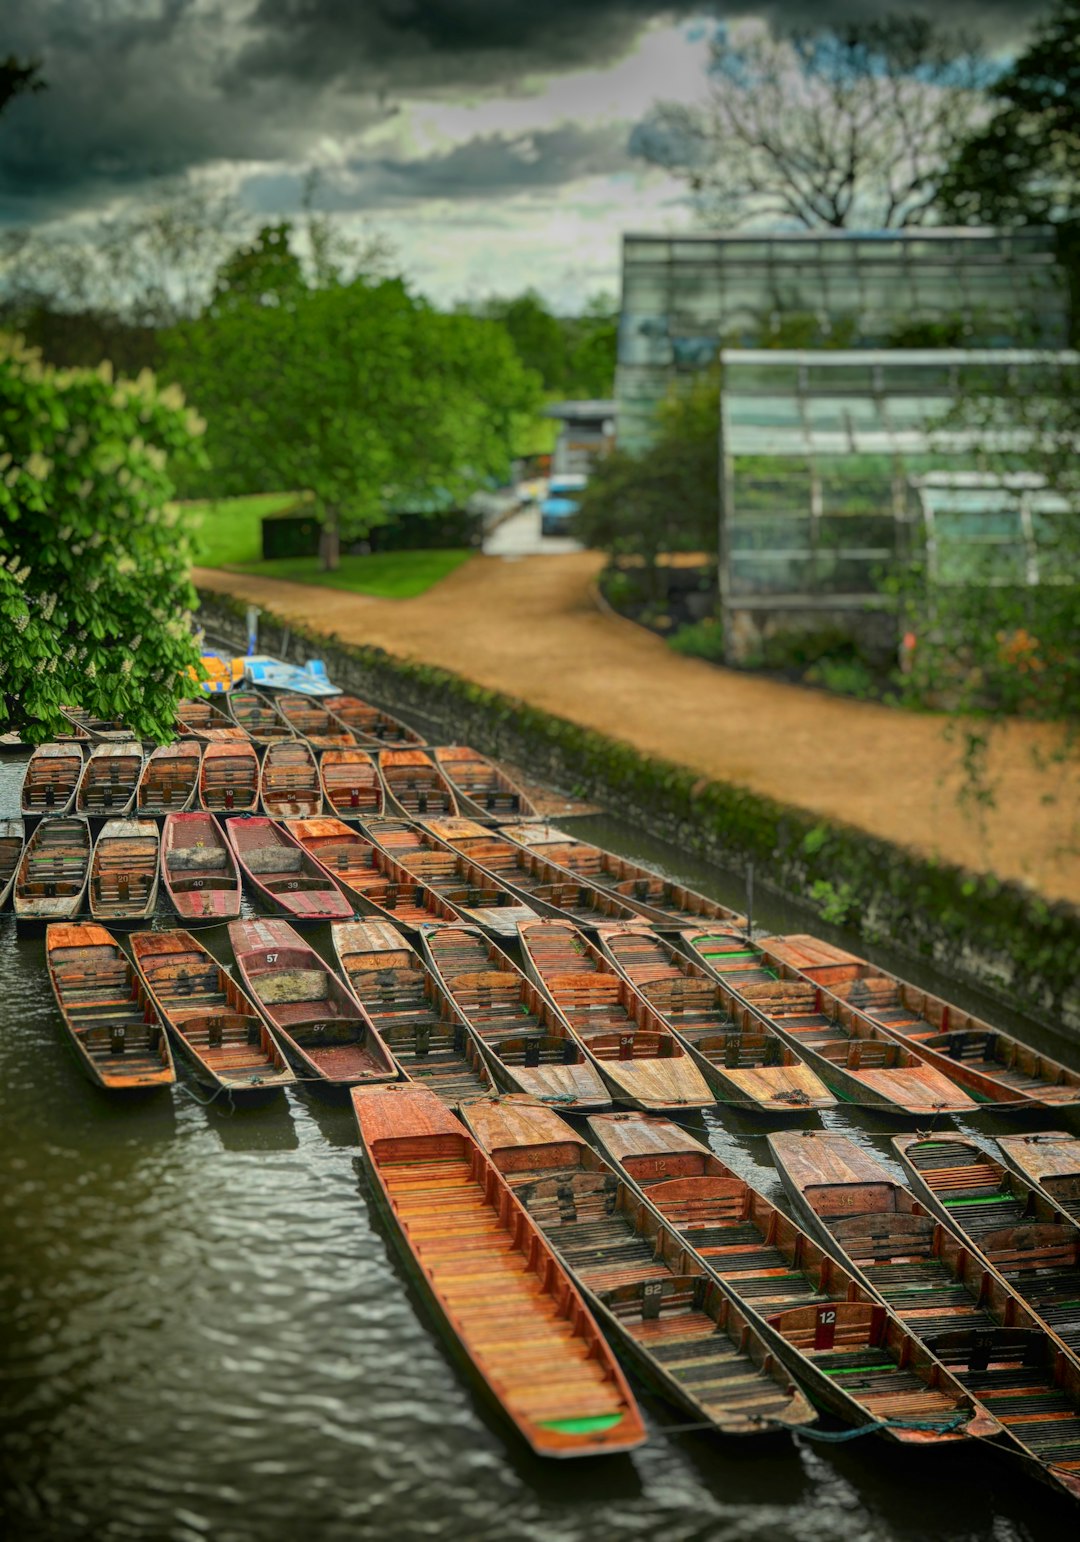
994, 934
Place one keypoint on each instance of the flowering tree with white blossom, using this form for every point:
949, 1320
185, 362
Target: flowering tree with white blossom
95, 599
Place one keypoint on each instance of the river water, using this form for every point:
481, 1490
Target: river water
207, 1335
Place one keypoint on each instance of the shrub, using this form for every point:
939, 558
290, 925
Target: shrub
700, 640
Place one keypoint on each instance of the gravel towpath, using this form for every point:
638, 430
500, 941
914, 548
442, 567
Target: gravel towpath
531, 628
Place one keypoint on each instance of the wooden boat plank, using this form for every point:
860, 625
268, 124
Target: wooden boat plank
552, 1375
51, 779
481, 786
372, 725
51, 879
124, 871
229, 778
12, 846
112, 1025
282, 873
198, 868
169, 780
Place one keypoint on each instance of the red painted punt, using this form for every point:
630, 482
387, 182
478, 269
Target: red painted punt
198, 868
282, 874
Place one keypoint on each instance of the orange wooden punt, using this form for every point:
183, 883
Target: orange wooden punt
476, 894
414, 786
854, 1058
196, 716
113, 1026
369, 724
50, 881
1019, 1231
663, 901
674, 1323
501, 1296
169, 780
351, 785
229, 779
743, 1060
51, 779
993, 1066
258, 717
97, 729
317, 1019
198, 868
545, 888
109, 780
530, 1048
371, 880
1050, 1162
12, 845
289, 786
482, 788
643, 1063
312, 721
124, 871
973, 1320
213, 1022
404, 1000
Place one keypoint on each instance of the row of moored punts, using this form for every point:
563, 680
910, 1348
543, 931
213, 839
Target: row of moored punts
519, 1017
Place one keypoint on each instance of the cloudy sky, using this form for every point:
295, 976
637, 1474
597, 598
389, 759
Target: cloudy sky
487, 139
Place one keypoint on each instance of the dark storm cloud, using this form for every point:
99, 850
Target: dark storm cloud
144, 89
489, 166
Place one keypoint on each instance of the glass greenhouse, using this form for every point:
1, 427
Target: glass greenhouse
838, 466
686, 297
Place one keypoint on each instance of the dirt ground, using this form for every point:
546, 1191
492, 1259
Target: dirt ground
531, 627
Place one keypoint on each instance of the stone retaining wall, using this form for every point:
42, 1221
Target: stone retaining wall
996, 935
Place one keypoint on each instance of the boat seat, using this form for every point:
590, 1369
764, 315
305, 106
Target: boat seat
288, 985
274, 859
183, 859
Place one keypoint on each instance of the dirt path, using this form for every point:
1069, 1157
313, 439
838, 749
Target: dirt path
531, 628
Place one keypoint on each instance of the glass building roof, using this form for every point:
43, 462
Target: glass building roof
685, 297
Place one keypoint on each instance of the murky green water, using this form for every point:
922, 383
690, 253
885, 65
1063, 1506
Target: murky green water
206, 1334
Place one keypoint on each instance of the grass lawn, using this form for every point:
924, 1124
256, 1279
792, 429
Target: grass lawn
229, 535
391, 575
229, 530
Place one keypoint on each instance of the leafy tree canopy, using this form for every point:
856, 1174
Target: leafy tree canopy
830, 126
573, 355
1024, 165
358, 391
94, 595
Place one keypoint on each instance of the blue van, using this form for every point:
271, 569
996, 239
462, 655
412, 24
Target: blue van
557, 510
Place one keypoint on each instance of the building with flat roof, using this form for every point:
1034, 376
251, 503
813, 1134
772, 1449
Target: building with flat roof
586, 432
687, 296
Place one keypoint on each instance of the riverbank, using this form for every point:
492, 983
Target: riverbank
998, 935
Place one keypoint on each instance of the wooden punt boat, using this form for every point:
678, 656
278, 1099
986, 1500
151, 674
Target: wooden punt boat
728, 955
529, 1047
112, 1024
99, 730
289, 787
744, 1062
197, 716
854, 1058
12, 845
1019, 1231
414, 786
650, 1292
124, 871
482, 788
230, 735
109, 780
259, 718
643, 1063
229, 779
50, 882
765, 1259
169, 780
991, 1065
475, 894
397, 990
51, 779
318, 1021
497, 1288
351, 785
213, 1023
666, 903
282, 874
807, 1305
372, 881
312, 721
370, 725
536, 882
1051, 1162
198, 868
944, 1291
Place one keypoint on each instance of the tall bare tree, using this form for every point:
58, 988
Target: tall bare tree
831, 126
